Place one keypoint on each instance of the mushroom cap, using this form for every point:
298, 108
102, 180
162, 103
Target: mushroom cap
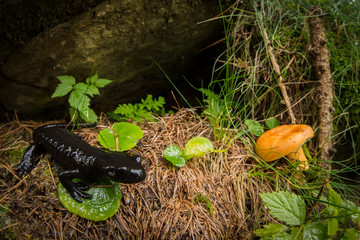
281, 141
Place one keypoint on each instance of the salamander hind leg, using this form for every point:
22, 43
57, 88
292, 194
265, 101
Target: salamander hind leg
76, 190
30, 160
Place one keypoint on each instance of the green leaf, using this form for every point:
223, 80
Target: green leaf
272, 123
93, 90
65, 86
270, 230
286, 207
332, 226
104, 203
315, 231
92, 79
127, 135
255, 127
101, 82
88, 115
67, 80
197, 147
175, 155
279, 236
81, 88
79, 100
107, 139
61, 90
334, 197
351, 234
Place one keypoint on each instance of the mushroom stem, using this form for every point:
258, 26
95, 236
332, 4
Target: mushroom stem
299, 155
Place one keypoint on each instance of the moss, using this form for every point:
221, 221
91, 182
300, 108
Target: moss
14, 156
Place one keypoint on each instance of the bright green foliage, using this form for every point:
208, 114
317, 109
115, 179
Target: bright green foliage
144, 111
104, 203
255, 127
315, 230
286, 207
175, 155
290, 208
204, 199
80, 94
125, 134
272, 123
270, 230
195, 147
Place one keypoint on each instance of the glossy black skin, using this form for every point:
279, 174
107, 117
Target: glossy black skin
78, 159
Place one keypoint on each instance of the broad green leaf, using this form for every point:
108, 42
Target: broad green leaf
279, 236
79, 100
286, 207
93, 90
349, 209
175, 155
104, 203
272, 123
107, 139
92, 79
254, 127
88, 115
315, 231
351, 234
128, 135
197, 147
270, 230
332, 226
102, 82
68, 80
81, 88
334, 197
61, 90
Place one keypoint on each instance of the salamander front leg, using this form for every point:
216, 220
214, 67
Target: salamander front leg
30, 160
76, 190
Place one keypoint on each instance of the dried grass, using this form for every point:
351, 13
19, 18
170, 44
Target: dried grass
161, 207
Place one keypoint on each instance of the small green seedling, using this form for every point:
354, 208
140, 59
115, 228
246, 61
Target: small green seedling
80, 94
195, 147
204, 199
144, 111
104, 203
257, 129
122, 137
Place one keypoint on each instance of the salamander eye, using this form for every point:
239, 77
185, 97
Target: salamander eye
122, 171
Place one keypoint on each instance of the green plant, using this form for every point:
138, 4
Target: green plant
104, 203
80, 94
144, 111
290, 208
195, 147
200, 198
121, 137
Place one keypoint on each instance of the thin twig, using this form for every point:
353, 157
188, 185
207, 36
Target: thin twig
277, 71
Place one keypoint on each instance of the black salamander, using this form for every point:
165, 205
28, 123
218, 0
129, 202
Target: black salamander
78, 159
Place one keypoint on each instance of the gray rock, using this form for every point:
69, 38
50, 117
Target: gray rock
120, 40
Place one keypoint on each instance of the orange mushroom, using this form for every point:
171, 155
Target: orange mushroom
285, 140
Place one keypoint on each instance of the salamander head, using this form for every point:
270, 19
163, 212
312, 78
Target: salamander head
128, 170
